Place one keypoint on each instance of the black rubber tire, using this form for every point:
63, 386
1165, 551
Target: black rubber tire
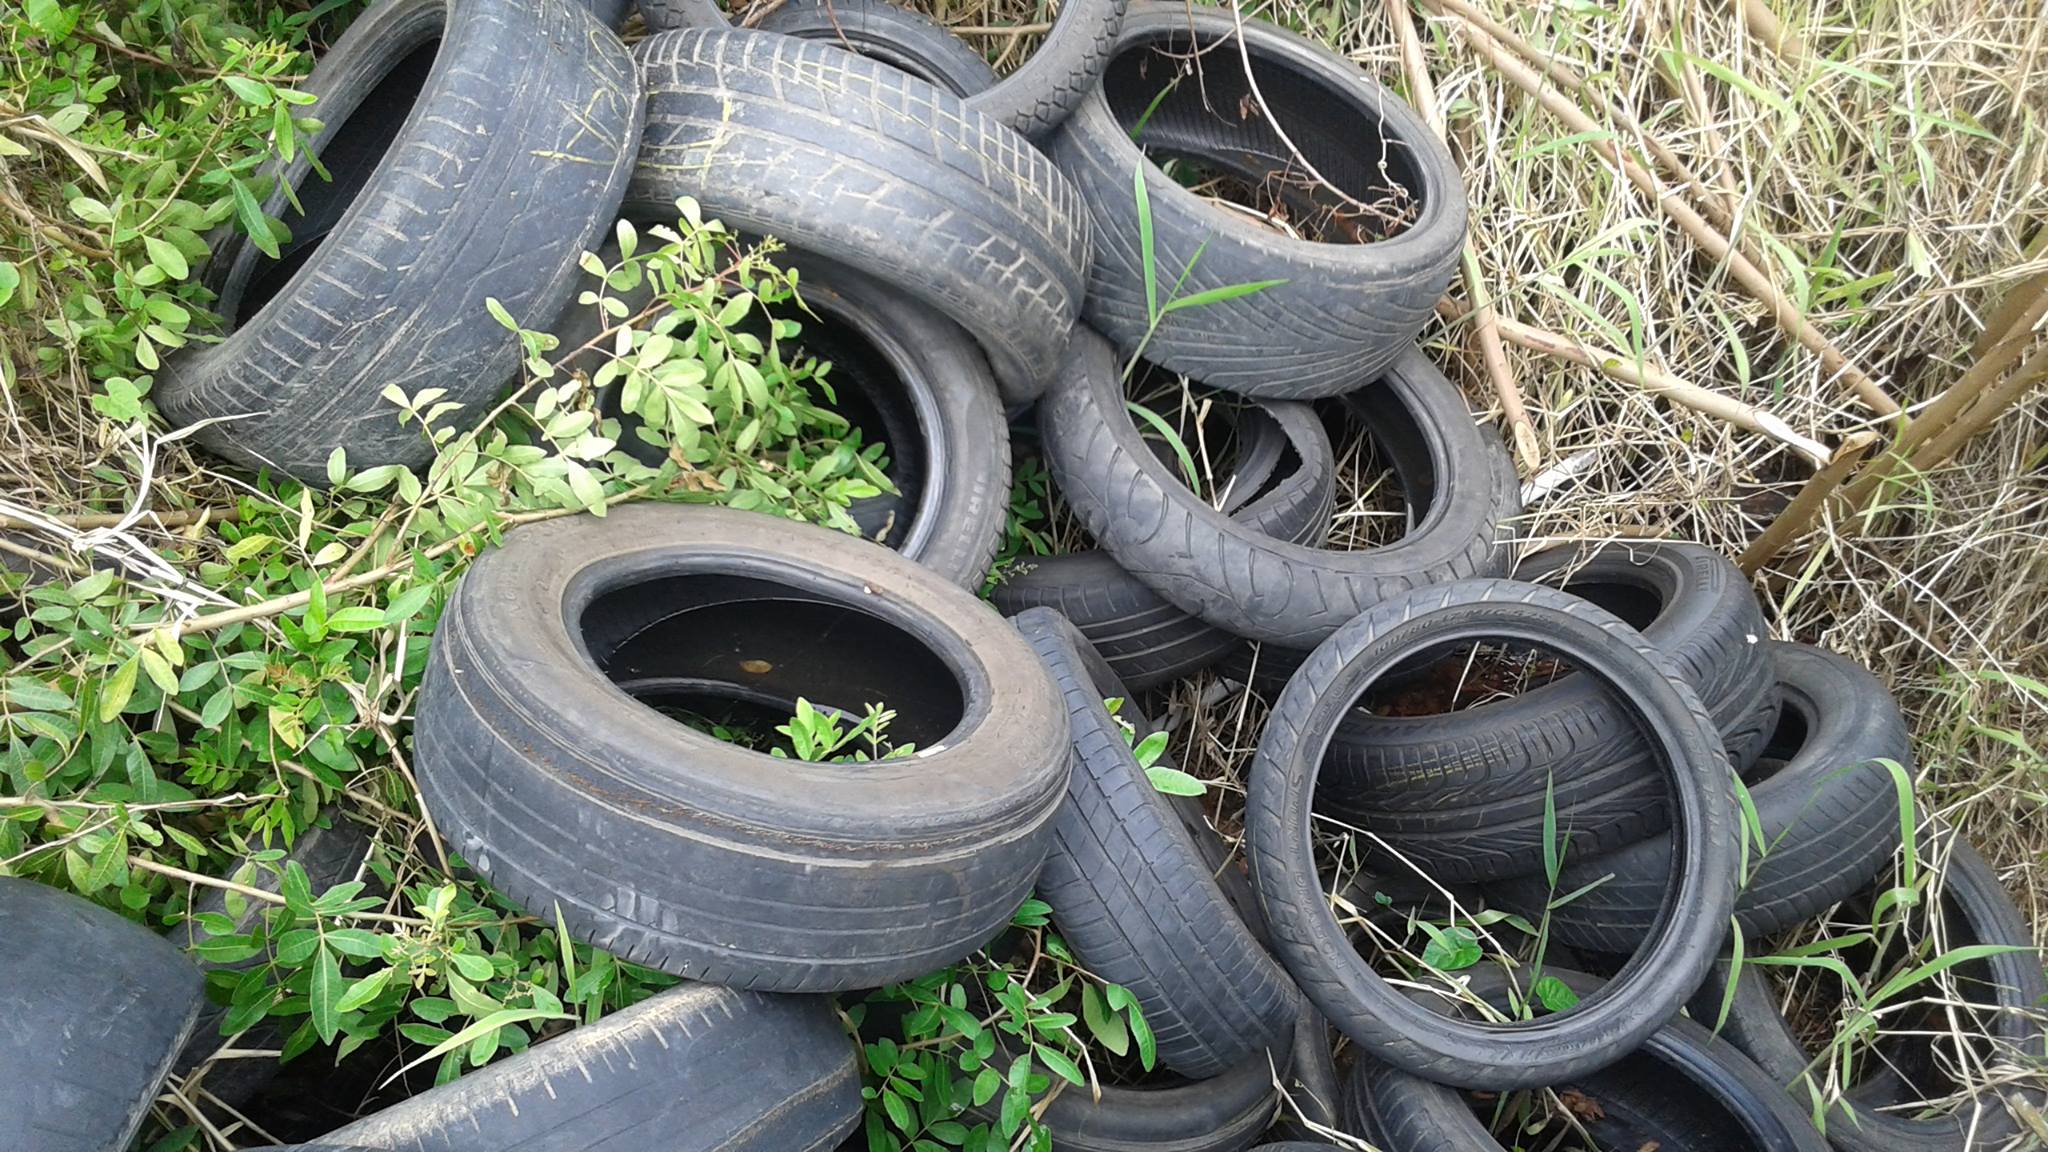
662, 15
1828, 807
1315, 1093
906, 40
1315, 949
1131, 893
96, 1007
486, 189
1033, 99
678, 850
945, 203
1226, 1113
1146, 640
764, 1074
1461, 794
1312, 1084
1066, 67
918, 381
330, 856
1685, 1091
1345, 312
1978, 911
610, 13
1241, 580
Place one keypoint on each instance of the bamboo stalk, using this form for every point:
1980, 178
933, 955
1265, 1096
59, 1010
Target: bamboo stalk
1657, 383
180, 518
1485, 331
278, 605
1800, 514
1765, 27
1713, 243
2017, 313
1685, 79
1995, 402
2017, 316
1561, 74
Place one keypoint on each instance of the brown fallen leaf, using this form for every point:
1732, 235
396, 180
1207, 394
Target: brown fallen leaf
1581, 1105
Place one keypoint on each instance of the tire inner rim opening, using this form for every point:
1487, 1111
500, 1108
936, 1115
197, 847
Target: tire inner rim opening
749, 646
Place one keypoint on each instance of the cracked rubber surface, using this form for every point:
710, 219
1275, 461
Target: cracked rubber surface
1828, 808
1132, 895
1346, 310
507, 167
677, 850
1146, 640
94, 1009
1317, 951
695, 1069
1243, 581
2004, 992
1461, 794
851, 159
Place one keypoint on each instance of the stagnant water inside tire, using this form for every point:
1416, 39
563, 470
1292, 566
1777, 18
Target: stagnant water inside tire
1177, 107
760, 640
351, 154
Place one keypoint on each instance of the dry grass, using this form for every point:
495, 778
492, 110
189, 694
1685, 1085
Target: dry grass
1895, 187
1893, 179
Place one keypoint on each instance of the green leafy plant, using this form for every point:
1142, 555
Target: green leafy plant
153, 733
128, 135
1148, 752
1025, 527
990, 1035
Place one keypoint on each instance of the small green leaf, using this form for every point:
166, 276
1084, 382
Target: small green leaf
323, 995
407, 604
1061, 1064
365, 990
1175, 782
250, 91
499, 314
354, 942
167, 257
357, 618
1450, 949
1150, 749
159, 670
253, 222
1106, 1027
50, 18
1554, 994
296, 888
120, 686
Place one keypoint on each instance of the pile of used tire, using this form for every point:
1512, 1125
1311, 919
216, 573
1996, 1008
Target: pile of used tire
986, 244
